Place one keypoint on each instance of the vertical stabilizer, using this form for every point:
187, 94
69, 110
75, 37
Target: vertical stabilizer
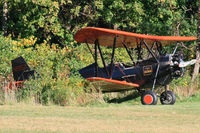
21, 70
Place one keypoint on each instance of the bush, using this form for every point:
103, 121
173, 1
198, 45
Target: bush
60, 81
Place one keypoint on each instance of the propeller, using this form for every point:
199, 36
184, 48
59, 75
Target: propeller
187, 63
178, 64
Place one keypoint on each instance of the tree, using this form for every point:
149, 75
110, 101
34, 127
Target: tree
37, 18
5, 17
196, 67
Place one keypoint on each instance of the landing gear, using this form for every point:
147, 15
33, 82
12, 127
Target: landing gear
149, 98
167, 98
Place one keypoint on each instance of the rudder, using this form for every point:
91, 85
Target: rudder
21, 70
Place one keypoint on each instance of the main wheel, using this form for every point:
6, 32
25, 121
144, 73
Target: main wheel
167, 98
149, 98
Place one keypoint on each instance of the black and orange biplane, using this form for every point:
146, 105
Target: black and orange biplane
157, 69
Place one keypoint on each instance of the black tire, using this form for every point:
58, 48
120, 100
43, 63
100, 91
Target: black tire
149, 98
167, 98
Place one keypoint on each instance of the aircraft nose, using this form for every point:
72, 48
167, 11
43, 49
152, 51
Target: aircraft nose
177, 70
176, 59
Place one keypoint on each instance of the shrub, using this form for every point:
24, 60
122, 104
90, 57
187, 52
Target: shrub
59, 83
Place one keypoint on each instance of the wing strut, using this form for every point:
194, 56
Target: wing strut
158, 67
113, 54
159, 47
139, 50
90, 50
95, 58
129, 53
102, 59
175, 48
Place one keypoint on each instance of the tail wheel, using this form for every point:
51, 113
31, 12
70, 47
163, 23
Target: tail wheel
167, 98
149, 98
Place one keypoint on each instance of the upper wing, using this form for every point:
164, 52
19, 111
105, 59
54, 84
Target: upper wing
109, 85
106, 37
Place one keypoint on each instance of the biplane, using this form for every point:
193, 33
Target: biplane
21, 73
145, 74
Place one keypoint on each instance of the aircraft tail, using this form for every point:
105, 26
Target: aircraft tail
21, 70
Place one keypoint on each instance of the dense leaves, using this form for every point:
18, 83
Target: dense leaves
57, 21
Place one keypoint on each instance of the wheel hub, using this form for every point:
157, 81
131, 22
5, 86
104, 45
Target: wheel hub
167, 99
148, 99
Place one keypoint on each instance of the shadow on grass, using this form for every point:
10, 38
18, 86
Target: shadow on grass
131, 96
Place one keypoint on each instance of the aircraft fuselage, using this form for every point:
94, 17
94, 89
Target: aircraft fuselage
142, 73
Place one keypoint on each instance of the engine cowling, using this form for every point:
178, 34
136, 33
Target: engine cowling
177, 71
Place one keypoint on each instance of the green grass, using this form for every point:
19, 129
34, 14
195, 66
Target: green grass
125, 117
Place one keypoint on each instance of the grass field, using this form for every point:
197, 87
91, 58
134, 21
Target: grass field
179, 118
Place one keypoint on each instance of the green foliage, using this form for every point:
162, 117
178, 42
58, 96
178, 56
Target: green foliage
60, 82
57, 21
37, 18
5, 50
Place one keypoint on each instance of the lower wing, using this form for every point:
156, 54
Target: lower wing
110, 85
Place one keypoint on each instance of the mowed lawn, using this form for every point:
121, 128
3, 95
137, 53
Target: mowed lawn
114, 118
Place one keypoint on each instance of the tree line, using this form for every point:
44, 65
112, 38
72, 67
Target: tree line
57, 20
